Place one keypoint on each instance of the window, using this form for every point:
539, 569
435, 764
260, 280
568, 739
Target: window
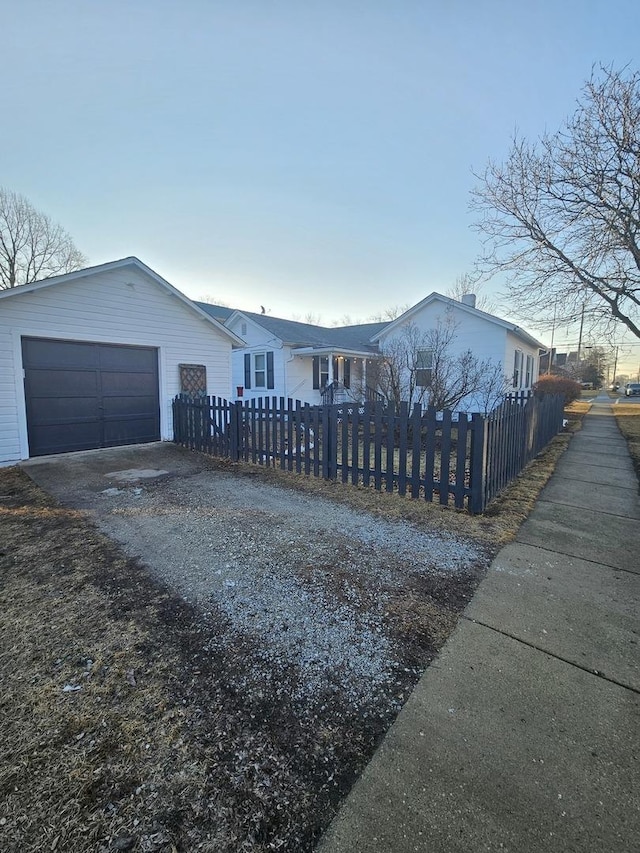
424, 367
324, 370
517, 368
193, 380
529, 373
320, 371
346, 373
258, 370
243, 331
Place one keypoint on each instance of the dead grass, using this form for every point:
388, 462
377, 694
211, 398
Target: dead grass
118, 730
123, 730
80, 683
127, 724
495, 527
628, 420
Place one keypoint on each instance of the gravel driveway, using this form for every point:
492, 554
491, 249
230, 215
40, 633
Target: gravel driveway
326, 602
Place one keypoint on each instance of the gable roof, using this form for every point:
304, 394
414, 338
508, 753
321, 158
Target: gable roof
461, 306
123, 263
218, 312
305, 335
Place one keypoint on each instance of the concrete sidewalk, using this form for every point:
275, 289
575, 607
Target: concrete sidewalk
524, 735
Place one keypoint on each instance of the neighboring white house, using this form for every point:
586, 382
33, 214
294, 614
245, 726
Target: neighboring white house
487, 337
310, 363
93, 359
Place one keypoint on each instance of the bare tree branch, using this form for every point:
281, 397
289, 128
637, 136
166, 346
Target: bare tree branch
449, 379
466, 284
32, 247
562, 217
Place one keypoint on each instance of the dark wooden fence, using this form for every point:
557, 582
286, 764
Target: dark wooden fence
443, 456
515, 432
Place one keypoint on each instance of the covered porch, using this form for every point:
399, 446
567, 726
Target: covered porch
340, 375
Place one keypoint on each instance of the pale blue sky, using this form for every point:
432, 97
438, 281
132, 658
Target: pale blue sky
307, 156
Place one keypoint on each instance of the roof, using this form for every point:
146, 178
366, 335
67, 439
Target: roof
461, 306
304, 335
122, 263
219, 312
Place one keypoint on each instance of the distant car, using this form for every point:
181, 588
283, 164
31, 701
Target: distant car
632, 389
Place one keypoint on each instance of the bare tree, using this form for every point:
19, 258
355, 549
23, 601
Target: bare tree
32, 247
212, 300
420, 367
466, 284
389, 314
310, 318
562, 216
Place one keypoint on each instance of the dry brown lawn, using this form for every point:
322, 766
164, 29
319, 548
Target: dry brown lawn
628, 419
121, 730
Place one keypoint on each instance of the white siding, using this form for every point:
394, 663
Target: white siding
258, 340
485, 339
121, 306
515, 344
300, 381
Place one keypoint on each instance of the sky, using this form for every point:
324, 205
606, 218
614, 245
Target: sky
313, 157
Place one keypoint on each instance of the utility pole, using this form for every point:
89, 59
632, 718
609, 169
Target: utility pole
580, 336
615, 366
553, 331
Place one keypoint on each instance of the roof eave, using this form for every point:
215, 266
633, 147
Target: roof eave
130, 261
331, 350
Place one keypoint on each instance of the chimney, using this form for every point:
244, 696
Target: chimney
469, 299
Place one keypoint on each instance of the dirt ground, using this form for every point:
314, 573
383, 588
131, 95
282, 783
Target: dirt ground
217, 679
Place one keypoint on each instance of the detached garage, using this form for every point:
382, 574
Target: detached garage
93, 359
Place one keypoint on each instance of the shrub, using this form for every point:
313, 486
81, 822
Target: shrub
550, 384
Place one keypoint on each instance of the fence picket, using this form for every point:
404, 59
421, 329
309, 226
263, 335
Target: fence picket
430, 424
489, 450
461, 461
416, 449
377, 446
403, 427
390, 447
355, 445
445, 457
345, 444
366, 444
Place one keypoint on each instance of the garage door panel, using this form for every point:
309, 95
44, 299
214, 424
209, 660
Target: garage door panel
127, 406
44, 383
128, 359
121, 431
81, 396
63, 438
41, 351
126, 384
45, 410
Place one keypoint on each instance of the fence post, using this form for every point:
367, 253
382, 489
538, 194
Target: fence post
478, 467
174, 411
235, 430
329, 444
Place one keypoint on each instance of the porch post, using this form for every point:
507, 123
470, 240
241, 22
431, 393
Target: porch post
330, 379
364, 378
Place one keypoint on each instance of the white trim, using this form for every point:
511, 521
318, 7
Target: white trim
237, 314
121, 264
453, 303
305, 352
21, 404
254, 371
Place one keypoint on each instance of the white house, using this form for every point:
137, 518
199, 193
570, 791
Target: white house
487, 337
312, 363
93, 359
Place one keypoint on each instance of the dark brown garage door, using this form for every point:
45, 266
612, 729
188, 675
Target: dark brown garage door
85, 395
